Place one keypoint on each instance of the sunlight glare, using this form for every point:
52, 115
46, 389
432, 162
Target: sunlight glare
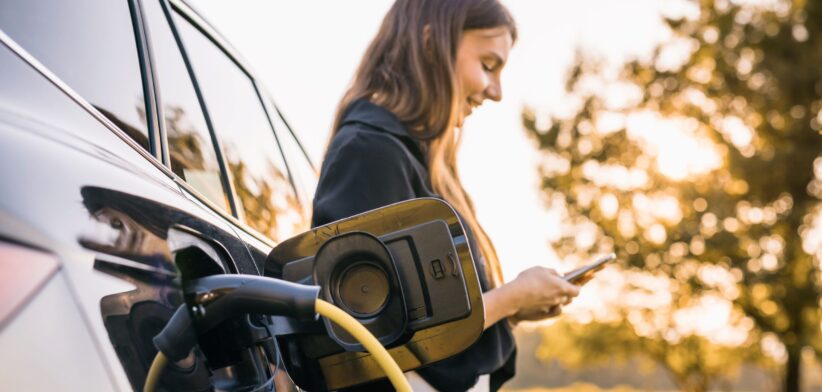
609, 205
812, 236
656, 233
711, 317
679, 152
736, 131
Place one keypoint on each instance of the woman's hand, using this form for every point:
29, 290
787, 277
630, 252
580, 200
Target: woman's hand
535, 314
536, 293
541, 294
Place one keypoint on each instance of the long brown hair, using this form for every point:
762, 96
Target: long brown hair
409, 69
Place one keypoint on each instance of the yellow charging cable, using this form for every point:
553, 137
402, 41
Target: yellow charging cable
155, 371
337, 316
358, 331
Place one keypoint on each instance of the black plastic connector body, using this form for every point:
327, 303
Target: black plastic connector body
177, 338
216, 298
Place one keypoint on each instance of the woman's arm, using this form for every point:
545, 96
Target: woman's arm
536, 293
498, 305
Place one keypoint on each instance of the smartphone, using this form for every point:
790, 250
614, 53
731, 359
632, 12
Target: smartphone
582, 272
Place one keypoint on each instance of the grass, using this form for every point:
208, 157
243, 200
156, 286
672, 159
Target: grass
578, 387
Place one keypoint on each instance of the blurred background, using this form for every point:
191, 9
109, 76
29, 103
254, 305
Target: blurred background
683, 135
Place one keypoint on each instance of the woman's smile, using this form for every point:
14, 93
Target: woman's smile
481, 56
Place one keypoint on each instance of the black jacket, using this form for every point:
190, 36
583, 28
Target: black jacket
373, 161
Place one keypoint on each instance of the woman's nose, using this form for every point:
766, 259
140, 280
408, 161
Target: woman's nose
494, 90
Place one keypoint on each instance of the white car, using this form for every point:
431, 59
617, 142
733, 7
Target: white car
137, 152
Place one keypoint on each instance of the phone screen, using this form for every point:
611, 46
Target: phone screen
581, 272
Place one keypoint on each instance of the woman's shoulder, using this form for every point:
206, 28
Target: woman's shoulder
362, 139
371, 121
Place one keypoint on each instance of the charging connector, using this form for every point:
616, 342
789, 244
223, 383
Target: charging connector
214, 299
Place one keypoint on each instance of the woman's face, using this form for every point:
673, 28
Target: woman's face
481, 55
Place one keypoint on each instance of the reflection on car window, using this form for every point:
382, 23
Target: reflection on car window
265, 196
189, 143
303, 173
89, 44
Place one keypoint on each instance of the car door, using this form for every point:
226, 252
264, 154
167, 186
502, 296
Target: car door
83, 193
94, 188
260, 205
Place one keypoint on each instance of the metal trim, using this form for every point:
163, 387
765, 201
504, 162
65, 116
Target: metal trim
151, 83
147, 78
189, 12
57, 82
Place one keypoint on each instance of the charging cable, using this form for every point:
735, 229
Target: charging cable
174, 342
359, 332
155, 371
220, 297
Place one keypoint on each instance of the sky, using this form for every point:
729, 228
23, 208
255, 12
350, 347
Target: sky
305, 52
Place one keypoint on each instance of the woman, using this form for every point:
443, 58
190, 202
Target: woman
395, 138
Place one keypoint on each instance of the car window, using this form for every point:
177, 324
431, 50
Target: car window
264, 194
89, 44
302, 171
190, 147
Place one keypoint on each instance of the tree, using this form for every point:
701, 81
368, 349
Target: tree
710, 174
694, 362
264, 204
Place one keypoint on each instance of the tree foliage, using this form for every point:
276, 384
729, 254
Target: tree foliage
701, 165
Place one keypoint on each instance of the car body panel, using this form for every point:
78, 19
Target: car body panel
77, 186
49, 320
100, 205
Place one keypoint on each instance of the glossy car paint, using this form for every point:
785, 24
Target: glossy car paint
76, 187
